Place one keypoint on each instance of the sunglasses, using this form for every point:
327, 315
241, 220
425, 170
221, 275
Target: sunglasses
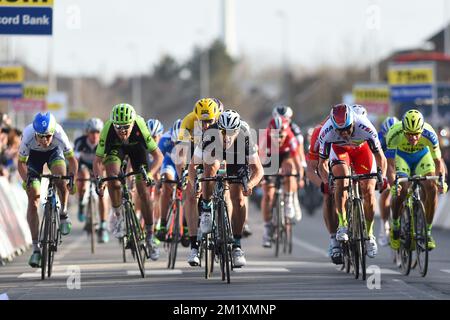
122, 126
409, 134
346, 129
94, 131
229, 132
208, 121
42, 136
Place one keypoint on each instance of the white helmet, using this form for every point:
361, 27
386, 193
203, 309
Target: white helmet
94, 124
229, 120
359, 110
155, 127
283, 111
176, 130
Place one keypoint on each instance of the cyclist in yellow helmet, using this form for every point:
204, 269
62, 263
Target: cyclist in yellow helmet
413, 149
205, 113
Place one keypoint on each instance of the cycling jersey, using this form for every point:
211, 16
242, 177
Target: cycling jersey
411, 159
165, 143
84, 151
138, 146
382, 138
297, 132
242, 151
363, 130
139, 135
396, 140
29, 143
167, 146
313, 152
289, 146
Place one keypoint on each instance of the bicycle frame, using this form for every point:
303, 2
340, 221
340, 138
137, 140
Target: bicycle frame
222, 235
355, 249
281, 223
135, 234
413, 235
49, 232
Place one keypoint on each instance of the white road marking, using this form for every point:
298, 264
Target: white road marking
446, 270
245, 270
155, 272
409, 289
310, 247
38, 275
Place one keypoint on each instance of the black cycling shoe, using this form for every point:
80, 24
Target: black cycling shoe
336, 255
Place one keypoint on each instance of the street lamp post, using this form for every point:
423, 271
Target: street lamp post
136, 85
284, 80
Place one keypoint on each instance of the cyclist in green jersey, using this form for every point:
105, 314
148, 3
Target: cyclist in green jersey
413, 149
124, 134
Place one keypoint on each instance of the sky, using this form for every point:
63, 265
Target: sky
118, 37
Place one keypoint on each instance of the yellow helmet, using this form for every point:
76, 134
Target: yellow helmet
413, 122
206, 109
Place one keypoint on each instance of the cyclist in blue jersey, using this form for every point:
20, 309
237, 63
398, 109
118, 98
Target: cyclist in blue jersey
385, 198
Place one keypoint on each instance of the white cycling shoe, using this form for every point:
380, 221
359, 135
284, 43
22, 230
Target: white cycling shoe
371, 246
193, 259
117, 225
238, 258
341, 234
206, 222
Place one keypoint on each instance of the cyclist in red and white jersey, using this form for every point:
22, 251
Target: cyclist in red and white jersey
279, 132
348, 139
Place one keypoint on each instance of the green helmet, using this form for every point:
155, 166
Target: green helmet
123, 114
413, 122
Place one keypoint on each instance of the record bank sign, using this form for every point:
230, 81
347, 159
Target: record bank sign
26, 17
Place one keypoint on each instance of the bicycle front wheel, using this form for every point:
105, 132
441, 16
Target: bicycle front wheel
134, 232
361, 237
175, 236
405, 252
45, 235
91, 223
223, 242
421, 237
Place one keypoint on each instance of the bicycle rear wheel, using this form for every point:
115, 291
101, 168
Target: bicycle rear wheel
91, 223
289, 232
421, 237
45, 235
175, 237
208, 244
276, 213
169, 236
133, 232
405, 251
362, 236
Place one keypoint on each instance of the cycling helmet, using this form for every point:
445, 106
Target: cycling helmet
206, 109
283, 111
341, 116
155, 127
44, 123
229, 120
413, 122
359, 110
279, 123
388, 123
176, 130
123, 114
94, 124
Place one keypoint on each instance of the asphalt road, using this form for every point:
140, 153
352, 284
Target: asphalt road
306, 274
